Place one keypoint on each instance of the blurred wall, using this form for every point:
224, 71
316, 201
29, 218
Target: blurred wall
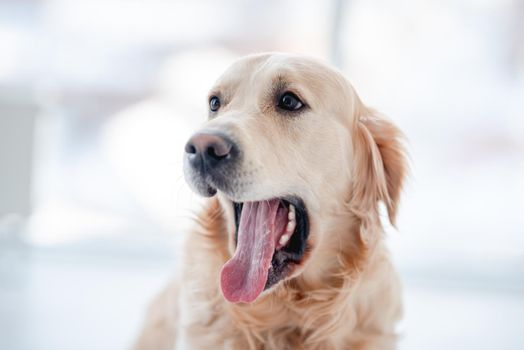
17, 118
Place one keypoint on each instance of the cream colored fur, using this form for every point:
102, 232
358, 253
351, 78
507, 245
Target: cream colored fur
342, 159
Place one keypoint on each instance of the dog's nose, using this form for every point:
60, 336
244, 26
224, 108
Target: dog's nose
206, 150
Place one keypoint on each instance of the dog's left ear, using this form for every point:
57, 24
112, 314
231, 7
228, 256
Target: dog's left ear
380, 164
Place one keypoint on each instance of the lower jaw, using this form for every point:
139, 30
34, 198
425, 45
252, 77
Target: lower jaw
279, 271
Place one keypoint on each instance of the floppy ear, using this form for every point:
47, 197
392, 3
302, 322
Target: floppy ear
380, 164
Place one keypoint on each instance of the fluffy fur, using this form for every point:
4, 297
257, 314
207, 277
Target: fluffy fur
343, 159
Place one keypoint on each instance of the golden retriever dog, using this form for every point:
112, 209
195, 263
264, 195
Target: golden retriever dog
289, 252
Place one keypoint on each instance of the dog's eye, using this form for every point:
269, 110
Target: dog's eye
214, 103
290, 102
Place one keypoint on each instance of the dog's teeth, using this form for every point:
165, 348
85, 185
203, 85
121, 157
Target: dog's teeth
284, 238
291, 226
291, 212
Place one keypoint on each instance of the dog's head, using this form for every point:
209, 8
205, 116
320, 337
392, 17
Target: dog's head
288, 147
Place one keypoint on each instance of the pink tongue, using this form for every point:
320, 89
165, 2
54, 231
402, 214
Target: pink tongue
244, 276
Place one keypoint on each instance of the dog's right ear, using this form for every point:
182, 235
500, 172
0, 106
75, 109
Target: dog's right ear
380, 165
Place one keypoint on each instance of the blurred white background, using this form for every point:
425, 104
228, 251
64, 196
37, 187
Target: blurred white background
97, 99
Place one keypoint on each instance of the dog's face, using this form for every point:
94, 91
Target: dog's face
279, 150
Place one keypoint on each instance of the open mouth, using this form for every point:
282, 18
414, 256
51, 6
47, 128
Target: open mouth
271, 238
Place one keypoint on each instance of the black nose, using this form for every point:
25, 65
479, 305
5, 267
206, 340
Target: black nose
208, 150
